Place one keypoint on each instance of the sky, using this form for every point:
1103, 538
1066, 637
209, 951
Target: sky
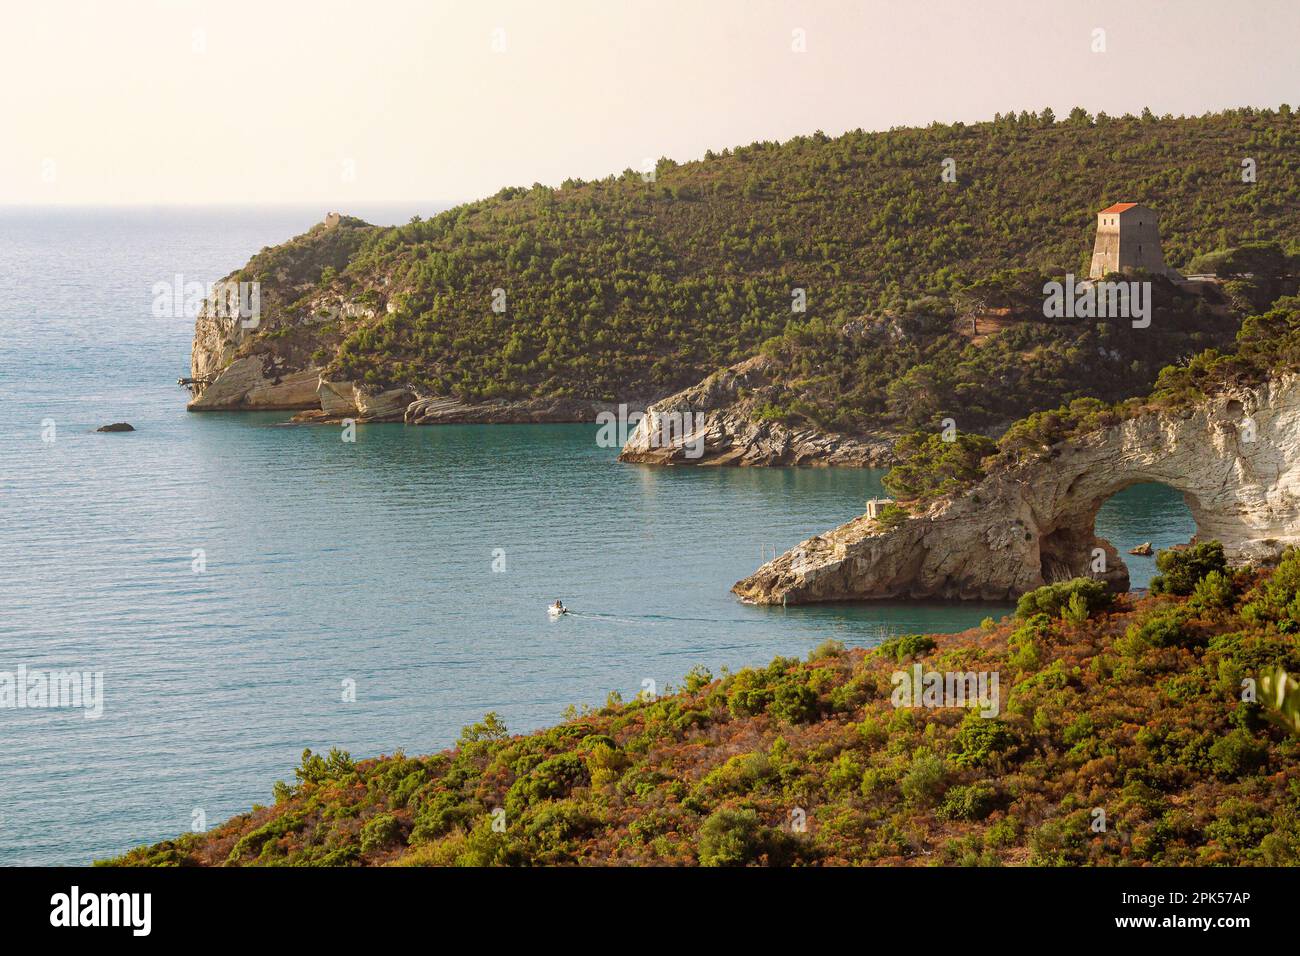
351, 101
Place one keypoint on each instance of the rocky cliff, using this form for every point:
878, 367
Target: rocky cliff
265, 360
1235, 458
270, 361
718, 422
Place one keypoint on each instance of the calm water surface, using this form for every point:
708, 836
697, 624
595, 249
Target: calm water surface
333, 565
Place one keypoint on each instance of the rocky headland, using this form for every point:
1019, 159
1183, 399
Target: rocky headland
274, 362
718, 422
1235, 458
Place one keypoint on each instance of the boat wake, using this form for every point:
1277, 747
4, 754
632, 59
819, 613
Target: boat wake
661, 620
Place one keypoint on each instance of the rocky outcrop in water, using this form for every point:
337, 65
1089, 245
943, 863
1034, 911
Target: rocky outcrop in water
1236, 459
348, 400
717, 422
255, 382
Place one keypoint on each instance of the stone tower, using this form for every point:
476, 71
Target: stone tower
1128, 238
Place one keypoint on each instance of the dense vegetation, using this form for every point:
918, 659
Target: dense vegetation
917, 366
632, 288
1158, 712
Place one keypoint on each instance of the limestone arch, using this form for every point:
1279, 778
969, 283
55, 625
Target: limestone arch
1069, 545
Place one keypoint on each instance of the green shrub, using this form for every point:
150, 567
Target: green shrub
484, 846
1277, 600
738, 838
491, 727
1237, 753
317, 769
697, 678
892, 516
592, 741
1061, 842
925, 780
974, 802
853, 693
552, 778
1050, 599
748, 694
442, 812
1025, 655
872, 732
827, 648
930, 467
379, 832
1213, 592
794, 702
263, 842
1239, 824
1032, 436
1275, 849
1251, 258
1082, 729
1163, 628
845, 774
1075, 611
904, 646
550, 830
980, 739
1022, 644
1180, 569
1004, 832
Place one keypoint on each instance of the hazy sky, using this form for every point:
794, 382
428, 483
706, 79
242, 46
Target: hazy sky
332, 101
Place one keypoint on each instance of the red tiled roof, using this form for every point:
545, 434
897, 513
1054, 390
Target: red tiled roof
1118, 207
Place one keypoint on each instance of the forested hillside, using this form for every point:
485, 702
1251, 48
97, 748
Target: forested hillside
1154, 717
633, 288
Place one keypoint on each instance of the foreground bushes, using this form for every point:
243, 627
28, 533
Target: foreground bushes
1181, 569
1052, 599
904, 647
1143, 714
1277, 600
738, 838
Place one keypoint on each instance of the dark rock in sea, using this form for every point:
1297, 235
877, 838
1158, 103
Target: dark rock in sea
116, 427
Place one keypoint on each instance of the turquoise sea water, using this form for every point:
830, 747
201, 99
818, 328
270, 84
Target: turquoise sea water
375, 566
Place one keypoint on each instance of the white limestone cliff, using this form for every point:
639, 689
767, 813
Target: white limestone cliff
1235, 458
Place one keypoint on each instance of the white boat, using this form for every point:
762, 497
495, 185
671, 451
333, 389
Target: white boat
554, 611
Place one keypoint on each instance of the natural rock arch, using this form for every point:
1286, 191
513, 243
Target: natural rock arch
1069, 546
1235, 458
